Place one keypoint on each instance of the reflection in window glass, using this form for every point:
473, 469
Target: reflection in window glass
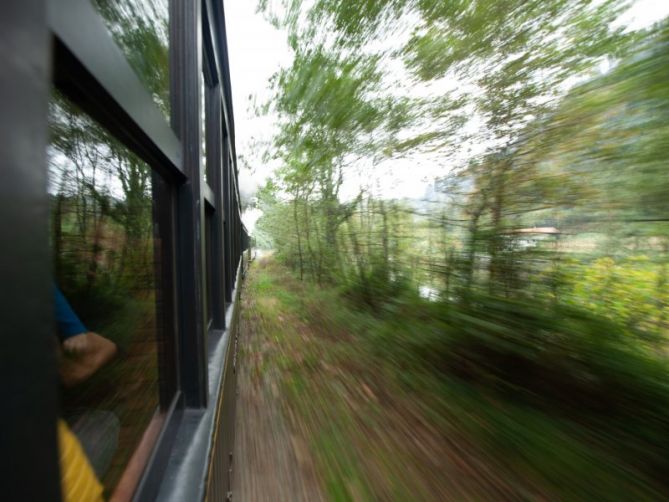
209, 256
203, 127
140, 28
105, 287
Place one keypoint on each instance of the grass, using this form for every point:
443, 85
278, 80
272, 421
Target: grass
385, 424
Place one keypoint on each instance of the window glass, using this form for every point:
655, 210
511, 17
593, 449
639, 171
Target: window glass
203, 128
140, 28
208, 242
104, 232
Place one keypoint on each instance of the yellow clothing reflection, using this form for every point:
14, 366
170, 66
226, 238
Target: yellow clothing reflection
78, 481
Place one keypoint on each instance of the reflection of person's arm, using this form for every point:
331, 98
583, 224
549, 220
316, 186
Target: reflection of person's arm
68, 322
71, 330
92, 351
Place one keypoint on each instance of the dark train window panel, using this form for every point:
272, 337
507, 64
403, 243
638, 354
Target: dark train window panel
104, 235
203, 129
209, 257
140, 28
207, 83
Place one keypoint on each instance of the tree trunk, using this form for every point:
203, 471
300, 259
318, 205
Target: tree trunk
299, 238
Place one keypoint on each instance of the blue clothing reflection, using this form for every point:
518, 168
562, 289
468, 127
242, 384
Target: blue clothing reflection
67, 320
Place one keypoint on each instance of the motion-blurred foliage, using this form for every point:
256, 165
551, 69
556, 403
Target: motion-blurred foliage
539, 256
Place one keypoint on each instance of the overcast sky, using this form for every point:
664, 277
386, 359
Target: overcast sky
257, 50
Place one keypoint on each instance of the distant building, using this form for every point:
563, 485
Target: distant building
531, 237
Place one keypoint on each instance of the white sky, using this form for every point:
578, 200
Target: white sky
257, 50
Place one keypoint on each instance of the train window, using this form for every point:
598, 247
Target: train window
227, 208
207, 96
141, 30
203, 129
104, 234
209, 257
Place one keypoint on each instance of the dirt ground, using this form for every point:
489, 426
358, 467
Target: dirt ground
270, 462
312, 425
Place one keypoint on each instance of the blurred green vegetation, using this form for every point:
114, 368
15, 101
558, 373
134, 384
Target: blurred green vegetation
102, 219
534, 271
541, 410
